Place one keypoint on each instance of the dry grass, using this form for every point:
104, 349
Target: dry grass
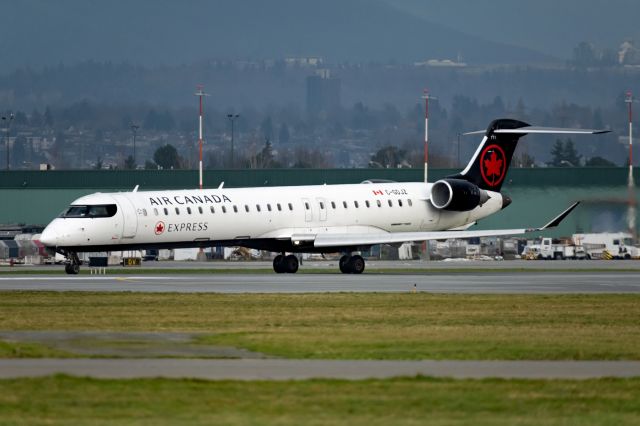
355, 326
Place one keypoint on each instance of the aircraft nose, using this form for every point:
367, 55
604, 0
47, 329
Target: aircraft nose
49, 237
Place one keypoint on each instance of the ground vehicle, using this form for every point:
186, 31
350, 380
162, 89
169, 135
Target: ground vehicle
618, 244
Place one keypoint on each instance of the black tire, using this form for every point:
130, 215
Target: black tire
290, 264
67, 268
278, 264
344, 264
72, 269
356, 264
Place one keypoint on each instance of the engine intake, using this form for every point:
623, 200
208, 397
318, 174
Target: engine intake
457, 195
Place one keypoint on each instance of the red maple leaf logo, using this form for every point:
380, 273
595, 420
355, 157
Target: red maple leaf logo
159, 228
493, 165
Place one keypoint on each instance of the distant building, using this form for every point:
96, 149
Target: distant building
323, 93
628, 54
304, 61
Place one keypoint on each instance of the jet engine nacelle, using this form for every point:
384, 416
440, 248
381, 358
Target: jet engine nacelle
457, 195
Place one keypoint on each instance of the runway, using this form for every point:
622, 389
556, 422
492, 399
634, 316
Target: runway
486, 282
274, 369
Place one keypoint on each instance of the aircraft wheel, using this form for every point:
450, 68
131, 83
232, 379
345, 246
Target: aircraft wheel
72, 269
357, 264
344, 264
290, 264
278, 264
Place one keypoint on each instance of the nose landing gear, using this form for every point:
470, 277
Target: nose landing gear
351, 264
285, 264
73, 267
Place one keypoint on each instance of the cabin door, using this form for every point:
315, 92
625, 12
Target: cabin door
129, 217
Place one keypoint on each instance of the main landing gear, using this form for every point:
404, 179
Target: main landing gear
73, 267
289, 264
351, 264
285, 264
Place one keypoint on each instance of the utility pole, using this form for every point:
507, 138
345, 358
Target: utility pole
426, 98
629, 101
200, 93
232, 118
134, 129
8, 121
631, 214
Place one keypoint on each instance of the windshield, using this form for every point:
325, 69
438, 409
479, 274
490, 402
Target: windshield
100, 210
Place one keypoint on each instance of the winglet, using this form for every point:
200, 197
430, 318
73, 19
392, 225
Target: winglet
556, 221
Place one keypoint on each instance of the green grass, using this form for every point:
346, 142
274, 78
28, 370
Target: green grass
62, 400
29, 350
355, 326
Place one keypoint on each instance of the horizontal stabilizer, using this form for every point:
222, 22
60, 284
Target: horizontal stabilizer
542, 130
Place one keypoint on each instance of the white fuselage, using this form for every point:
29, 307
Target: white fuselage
195, 217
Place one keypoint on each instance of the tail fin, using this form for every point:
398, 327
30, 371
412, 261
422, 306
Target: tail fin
489, 164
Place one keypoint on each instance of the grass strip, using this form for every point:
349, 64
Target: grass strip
355, 325
62, 400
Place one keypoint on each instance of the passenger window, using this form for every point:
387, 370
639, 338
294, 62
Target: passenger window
235, 209
355, 203
177, 211
246, 208
224, 209
155, 212
379, 203
306, 205
409, 202
269, 207
321, 205
390, 203
258, 207
333, 205
212, 209
279, 207
166, 211
200, 209
144, 212
367, 203
344, 204
400, 203
290, 206
189, 210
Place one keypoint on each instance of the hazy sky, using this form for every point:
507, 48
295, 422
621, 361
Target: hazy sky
46, 32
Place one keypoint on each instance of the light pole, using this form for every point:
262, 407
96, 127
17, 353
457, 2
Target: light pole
134, 129
232, 118
8, 121
458, 164
426, 96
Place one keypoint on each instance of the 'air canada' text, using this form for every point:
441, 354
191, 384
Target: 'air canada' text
189, 199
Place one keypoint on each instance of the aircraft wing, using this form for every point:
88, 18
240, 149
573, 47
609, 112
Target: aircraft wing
340, 240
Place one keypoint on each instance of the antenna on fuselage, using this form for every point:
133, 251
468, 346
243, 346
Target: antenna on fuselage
136, 188
221, 185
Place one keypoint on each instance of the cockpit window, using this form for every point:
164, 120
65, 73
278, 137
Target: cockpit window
93, 211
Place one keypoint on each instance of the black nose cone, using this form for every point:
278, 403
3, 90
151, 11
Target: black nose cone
505, 201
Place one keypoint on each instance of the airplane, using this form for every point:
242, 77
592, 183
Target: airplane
344, 218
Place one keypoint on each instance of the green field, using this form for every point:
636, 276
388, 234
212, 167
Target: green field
62, 400
350, 326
